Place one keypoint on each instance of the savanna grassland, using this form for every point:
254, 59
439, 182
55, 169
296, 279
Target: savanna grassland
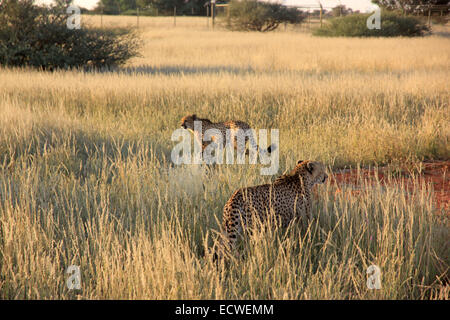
86, 176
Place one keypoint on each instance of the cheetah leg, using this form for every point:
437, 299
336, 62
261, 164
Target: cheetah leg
252, 145
232, 235
232, 229
244, 141
304, 213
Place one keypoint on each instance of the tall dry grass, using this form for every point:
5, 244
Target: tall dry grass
86, 177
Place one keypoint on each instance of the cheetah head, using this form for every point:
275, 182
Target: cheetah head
187, 122
316, 170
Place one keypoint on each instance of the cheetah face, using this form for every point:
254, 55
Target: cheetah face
317, 171
187, 122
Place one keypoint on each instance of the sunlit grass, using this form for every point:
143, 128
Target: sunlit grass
86, 176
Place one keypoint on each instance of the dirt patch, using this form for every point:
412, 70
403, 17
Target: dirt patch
431, 173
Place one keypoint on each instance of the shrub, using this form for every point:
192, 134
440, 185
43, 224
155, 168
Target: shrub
392, 25
142, 12
39, 37
252, 15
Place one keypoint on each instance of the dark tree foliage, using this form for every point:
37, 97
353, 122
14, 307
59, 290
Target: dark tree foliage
411, 6
340, 11
112, 6
253, 15
168, 5
163, 7
392, 25
36, 36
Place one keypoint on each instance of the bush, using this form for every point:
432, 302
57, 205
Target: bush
392, 25
39, 37
148, 12
252, 15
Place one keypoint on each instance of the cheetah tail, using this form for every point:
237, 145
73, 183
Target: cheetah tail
271, 148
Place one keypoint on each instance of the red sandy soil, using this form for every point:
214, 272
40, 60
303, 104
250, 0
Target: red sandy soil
433, 173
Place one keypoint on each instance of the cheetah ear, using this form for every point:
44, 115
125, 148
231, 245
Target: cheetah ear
299, 161
310, 167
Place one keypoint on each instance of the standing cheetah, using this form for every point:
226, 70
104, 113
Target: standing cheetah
187, 122
288, 197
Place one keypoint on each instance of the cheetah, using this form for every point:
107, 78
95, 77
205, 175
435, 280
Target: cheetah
288, 197
187, 122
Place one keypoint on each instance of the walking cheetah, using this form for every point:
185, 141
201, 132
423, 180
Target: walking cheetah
288, 197
187, 122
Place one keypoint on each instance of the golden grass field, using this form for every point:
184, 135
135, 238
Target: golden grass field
86, 177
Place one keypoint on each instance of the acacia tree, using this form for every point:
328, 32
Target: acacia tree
253, 15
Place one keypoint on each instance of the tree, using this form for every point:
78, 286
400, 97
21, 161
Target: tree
252, 15
193, 7
168, 5
164, 7
411, 6
196, 7
36, 36
115, 6
340, 11
108, 7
